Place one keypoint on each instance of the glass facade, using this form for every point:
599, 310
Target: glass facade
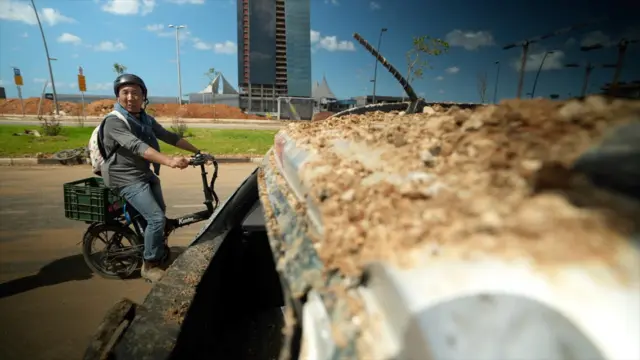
262, 35
298, 47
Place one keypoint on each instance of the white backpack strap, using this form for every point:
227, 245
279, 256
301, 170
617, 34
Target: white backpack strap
119, 116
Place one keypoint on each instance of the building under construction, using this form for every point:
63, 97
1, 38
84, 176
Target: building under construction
274, 52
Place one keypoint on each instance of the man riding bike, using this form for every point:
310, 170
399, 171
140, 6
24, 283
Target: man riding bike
127, 170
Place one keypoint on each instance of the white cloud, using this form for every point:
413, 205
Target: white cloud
74, 56
129, 7
452, 70
182, 2
552, 62
25, 35
23, 12
159, 29
154, 27
201, 45
441, 91
596, 37
1, 82
440, 78
315, 36
227, 47
53, 17
374, 5
332, 2
100, 86
329, 43
69, 38
110, 46
39, 80
469, 40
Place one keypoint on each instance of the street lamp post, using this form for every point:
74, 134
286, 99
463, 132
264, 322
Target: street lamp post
622, 49
587, 73
46, 50
495, 87
525, 46
178, 27
535, 82
375, 67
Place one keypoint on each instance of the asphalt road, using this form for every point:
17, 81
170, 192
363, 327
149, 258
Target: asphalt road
50, 303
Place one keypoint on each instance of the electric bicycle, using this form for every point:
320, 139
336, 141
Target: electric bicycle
90, 201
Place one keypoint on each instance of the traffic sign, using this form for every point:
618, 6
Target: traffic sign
80, 70
16, 71
18, 80
82, 83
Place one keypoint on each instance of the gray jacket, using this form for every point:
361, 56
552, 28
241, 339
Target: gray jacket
127, 166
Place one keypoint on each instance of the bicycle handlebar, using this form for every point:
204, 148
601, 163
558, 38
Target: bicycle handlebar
201, 159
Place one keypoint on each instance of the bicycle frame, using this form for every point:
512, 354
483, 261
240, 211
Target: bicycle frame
133, 217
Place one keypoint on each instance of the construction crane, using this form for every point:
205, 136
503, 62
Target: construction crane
525, 46
622, 50
588, 68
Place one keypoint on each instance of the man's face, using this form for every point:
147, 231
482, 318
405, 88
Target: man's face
131, 98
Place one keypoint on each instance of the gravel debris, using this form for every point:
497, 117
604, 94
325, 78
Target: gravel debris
493, 181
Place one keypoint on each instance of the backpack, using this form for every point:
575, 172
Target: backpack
96, 148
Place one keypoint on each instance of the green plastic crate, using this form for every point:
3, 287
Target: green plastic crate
88, 200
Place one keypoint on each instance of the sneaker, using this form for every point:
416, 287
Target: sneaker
151, 272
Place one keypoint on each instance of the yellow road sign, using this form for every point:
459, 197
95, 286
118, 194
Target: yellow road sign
82, 83
18, 80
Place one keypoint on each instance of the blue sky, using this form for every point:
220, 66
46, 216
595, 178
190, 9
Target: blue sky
97, 33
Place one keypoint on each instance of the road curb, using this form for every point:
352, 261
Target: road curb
35, 161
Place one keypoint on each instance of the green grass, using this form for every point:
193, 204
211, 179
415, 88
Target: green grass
214, 141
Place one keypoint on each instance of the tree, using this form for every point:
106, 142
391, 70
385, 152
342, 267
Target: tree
211, 74
423, 46
119, 68
482, 86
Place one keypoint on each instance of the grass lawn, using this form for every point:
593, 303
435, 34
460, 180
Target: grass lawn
214, 141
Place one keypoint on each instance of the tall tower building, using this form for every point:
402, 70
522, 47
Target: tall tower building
274, 52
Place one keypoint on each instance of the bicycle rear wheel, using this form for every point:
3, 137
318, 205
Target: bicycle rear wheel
122, 255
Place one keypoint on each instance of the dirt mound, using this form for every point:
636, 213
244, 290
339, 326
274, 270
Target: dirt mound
322, 115
13, 106
494, 181
102, 107
199, 111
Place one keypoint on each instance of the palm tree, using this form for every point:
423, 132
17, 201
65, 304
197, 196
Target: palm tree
119, 68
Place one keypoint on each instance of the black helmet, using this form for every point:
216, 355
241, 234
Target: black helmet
129, 79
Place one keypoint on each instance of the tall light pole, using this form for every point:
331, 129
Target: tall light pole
525, 46
495, 87
535, 82
375, 67
622, 50
587, 72
46, 50
178, 27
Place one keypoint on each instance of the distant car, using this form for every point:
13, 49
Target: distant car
48, 96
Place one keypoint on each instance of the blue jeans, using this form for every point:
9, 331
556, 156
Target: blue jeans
147, 199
